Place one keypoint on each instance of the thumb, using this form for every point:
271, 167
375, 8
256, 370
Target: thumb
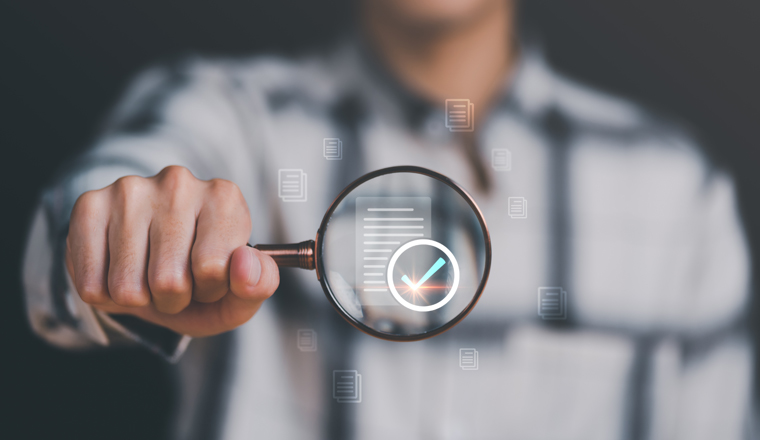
254, 276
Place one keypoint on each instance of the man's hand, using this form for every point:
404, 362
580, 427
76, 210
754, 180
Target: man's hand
170, 249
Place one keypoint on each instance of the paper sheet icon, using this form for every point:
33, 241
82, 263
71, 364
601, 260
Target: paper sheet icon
460, 115
291, 185
347, 386
383, 224
332, 149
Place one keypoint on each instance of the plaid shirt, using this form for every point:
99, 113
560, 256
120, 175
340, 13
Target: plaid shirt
623, 211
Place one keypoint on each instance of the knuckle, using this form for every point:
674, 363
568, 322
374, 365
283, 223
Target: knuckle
211, 269
129, 187
87, 206
224, 189
127, 294
175, 176
170, 283
90, 291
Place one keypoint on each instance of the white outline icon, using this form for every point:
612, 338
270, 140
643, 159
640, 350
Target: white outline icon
306, 339
332, 148
392, 265
291, 185
501, 159
517, 207
460, 115
468, 358
552, 303
347, 386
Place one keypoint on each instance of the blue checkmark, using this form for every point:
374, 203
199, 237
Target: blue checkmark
437, 265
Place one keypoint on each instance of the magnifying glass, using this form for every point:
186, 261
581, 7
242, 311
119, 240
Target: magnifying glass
403, 253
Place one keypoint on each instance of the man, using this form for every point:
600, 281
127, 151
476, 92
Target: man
145, 241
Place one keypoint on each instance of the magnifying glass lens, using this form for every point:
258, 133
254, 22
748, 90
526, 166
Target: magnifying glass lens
403, 255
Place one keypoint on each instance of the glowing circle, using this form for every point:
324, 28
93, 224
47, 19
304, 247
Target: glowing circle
392, 265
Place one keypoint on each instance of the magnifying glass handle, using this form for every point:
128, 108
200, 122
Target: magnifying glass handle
290, 255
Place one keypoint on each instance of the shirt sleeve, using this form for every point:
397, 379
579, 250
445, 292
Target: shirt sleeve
181, 115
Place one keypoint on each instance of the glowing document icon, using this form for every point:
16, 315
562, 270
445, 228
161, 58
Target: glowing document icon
307, 339
468, 358
383, 224
292, 185
518, 207
347, 386
332, 149
460, 115
501, 159
552, 303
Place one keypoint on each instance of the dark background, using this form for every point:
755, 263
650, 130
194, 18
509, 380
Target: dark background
64, 64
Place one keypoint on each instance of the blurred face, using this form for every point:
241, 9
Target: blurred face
432, 13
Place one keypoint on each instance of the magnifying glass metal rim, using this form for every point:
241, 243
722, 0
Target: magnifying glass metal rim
319, 243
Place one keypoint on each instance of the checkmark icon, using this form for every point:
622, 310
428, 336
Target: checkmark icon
437, 265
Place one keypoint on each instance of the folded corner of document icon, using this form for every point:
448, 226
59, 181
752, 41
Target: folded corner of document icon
383, 224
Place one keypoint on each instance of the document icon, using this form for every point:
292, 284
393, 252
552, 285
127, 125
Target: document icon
460, 115
292, 185
383, 224
468, 358
518, 207
347, 386
307, 339
332, 149
501, 159
552, 303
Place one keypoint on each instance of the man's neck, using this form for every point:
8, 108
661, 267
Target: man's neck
467, 60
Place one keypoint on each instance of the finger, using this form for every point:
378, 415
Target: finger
255, 277
223, 226
169, 276
128, 243
87, 248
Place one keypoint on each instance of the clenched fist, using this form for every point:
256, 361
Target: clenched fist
170, 249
